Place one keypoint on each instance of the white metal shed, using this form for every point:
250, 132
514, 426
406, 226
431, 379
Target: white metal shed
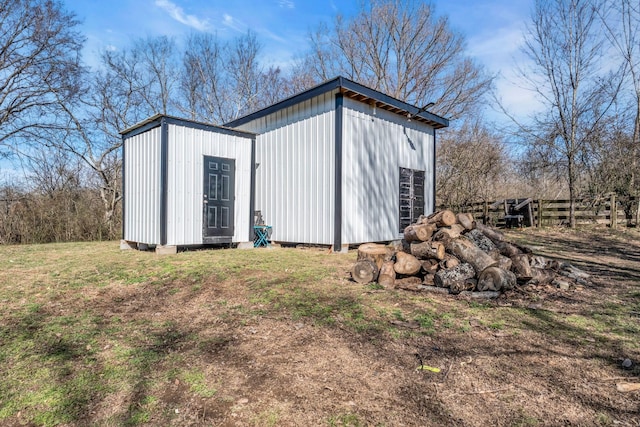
187, 183
342, 164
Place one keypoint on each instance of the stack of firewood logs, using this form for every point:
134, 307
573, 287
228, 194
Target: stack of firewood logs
454, 252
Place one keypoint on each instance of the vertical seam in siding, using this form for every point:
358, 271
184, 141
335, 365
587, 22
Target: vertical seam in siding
337, 218
124, 212
433, 174
164, 166
252, 189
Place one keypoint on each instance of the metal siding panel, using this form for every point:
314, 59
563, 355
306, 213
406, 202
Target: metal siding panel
187, 146
294, 187
375, 146
142, 196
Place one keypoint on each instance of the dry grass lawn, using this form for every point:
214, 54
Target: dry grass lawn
94, 336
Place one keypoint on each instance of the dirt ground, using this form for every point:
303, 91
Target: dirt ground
542, 364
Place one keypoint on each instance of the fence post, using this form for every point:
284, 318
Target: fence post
540, 211
485, 213
613, 210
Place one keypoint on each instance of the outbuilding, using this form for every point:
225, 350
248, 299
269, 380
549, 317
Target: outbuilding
186, 184
341, 164
337, 165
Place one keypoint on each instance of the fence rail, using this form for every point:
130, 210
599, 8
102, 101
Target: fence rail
613, 211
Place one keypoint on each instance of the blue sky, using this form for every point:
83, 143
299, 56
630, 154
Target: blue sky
493, 28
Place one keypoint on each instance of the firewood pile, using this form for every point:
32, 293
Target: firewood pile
451, 253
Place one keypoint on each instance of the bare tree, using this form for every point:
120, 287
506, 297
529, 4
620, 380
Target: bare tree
403, 49
564, 44
222, 81
201, 82
623, 29
39, 64
472, 165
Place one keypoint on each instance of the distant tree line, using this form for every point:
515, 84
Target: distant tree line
60, 119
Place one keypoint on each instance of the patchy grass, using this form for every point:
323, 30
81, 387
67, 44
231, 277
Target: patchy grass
91, 335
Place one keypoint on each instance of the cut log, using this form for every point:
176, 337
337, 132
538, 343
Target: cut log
467, 285
491, 233
443, 218
407, 264
430, 265
467, 252
451, 276
480, 240
538, 261
428, 250
428, 279
466, 220
434, 289
542, 276
387, 276
419, 232
364, 271
409, 284
451, 232
503, 262
521, 268
508, 249
375, 252
449, 261
496, 279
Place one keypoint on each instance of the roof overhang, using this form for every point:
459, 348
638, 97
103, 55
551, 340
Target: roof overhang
354, 91
155, 121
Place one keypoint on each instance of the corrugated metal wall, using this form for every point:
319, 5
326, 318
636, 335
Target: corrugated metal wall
375, 146
295, 176
186, 148
142, 187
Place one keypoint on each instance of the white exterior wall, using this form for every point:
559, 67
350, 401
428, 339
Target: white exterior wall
142, 187
186, 148
295, 177
374, 147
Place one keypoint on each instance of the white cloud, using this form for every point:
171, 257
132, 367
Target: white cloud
232, 23
287, 4
177, 13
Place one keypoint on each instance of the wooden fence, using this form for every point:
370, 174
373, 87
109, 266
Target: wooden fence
613, 211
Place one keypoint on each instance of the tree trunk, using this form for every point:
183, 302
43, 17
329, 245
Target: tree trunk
449, 261
374, 252
364, 271
466, 220
430, 265
426, 250
447, 233
504, 262
521, 268
387, 276
480, 240
458, 274
493, 234
496, 279
466, 251
406, 264
542, 276
443, 218
409, 284
419, 232
509, 250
